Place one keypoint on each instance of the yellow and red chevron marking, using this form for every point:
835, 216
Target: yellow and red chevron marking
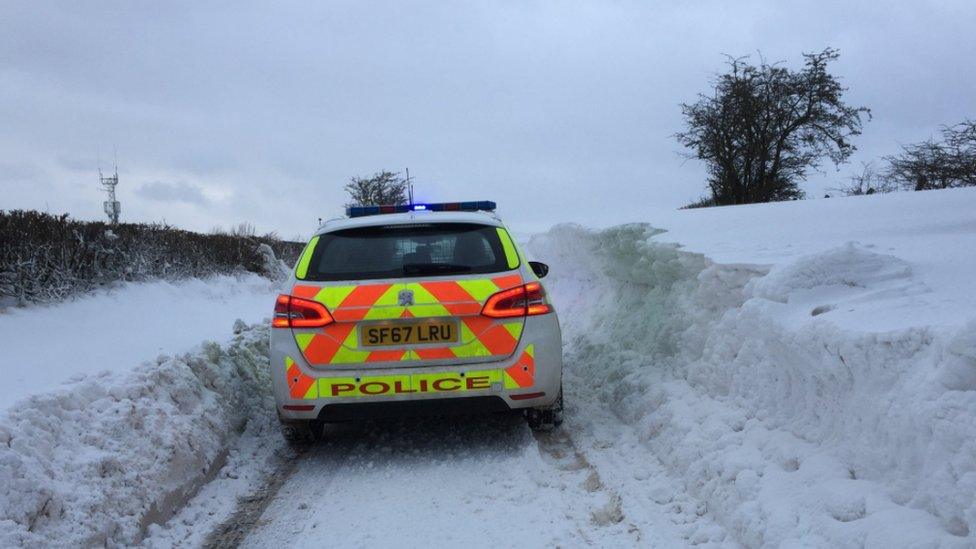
299, 384
522, 373
338, 343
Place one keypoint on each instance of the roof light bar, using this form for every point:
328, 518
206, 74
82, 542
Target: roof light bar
476, 206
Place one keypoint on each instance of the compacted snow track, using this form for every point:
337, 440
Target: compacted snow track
441, 481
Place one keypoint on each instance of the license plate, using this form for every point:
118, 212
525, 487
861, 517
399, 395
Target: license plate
410, 333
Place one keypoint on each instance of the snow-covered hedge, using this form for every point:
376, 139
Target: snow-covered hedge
791, 429
45, 257
97, 462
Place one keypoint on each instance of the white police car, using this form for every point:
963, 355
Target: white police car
424, 308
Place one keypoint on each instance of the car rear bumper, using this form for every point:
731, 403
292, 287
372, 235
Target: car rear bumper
531, 377
337, 413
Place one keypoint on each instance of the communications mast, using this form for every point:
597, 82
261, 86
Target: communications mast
112, 206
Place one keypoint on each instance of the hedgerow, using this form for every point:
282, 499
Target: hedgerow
46, 257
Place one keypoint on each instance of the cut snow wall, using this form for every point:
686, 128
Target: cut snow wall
97, 462
787, 426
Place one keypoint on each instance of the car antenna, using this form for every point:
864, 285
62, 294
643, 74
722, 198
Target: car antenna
409, 187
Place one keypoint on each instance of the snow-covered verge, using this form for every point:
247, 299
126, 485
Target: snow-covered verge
103, 459
753, 385
42, 346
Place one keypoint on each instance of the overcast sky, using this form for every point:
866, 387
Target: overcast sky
559, 111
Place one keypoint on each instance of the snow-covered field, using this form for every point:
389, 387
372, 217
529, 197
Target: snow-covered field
782, 375
46, 345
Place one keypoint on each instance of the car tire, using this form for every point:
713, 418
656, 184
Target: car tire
546, 418
301, 433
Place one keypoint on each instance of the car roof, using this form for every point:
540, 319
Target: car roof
482, 218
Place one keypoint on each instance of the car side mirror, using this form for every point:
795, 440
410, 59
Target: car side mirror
540, 269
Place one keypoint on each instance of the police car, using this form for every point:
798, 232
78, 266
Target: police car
421, 308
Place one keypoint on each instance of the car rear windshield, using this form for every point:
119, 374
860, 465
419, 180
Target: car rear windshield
396, 251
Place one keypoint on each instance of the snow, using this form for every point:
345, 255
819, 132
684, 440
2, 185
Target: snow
932, 231
468, 481
782, 375
818, 387
104, 433
44, 346
100, 460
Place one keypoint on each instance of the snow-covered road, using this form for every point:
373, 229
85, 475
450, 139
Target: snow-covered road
807, 391
467, 481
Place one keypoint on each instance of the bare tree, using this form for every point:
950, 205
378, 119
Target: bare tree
765, 126
868, 181
243, 229
382, 188
943, 164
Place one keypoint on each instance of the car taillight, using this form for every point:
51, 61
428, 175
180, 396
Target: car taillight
295, 312
528, 299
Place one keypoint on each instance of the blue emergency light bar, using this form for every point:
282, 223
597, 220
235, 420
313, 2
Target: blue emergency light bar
476, 206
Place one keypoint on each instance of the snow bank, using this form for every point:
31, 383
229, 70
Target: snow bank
99, 460
792, 427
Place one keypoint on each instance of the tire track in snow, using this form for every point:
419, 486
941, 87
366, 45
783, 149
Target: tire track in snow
232, 532
483, 480
656, 506
558, 447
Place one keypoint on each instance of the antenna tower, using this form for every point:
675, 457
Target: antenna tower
112, 206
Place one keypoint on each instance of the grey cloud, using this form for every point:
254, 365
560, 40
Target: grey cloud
557, 111
22, 172
208, 161
173, 192
83, 163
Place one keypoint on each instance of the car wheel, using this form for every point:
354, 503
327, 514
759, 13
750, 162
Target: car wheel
546, 418
302, 432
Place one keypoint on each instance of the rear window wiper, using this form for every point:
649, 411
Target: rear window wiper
434, 268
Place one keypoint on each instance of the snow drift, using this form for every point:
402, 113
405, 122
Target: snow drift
100, 460
740, 381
